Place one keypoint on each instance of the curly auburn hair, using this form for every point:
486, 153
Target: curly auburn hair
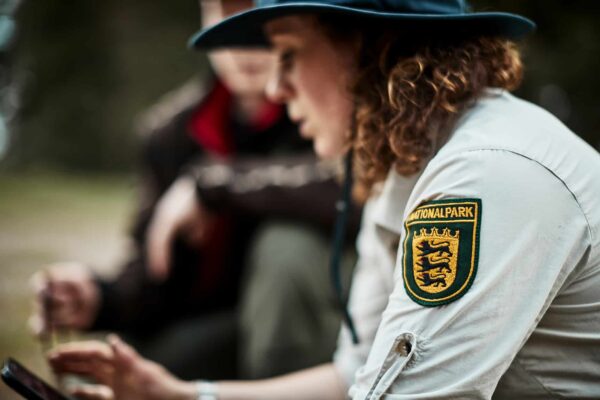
408, 96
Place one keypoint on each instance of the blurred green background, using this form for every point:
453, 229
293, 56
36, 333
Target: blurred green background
84, 69
75, 74
73, 78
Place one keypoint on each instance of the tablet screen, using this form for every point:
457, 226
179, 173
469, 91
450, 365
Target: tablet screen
15, 373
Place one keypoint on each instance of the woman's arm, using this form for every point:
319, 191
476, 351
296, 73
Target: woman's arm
122, 374
320, 383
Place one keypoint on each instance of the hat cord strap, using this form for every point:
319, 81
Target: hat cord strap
343, 207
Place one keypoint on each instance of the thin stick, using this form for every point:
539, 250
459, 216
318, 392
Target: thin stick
50, 338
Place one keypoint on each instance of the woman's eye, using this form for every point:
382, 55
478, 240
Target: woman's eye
286, 59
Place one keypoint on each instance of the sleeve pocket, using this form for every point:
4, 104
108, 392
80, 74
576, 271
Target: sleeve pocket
400, 354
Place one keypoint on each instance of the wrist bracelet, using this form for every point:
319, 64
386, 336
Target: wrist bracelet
207, 390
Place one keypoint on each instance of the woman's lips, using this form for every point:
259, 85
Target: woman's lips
303, 128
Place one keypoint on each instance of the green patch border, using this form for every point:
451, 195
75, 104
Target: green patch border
434, 302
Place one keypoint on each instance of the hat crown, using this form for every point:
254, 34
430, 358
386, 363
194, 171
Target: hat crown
436, 17
393, 6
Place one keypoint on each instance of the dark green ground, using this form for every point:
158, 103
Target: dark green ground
46, 218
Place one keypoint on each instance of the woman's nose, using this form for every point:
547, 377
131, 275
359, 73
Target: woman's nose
277, 90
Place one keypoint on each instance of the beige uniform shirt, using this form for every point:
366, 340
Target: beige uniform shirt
528, 323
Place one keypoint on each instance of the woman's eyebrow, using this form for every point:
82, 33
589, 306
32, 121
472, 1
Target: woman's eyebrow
280, 29
287, 25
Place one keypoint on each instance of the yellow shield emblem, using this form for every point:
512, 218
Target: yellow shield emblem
436, 258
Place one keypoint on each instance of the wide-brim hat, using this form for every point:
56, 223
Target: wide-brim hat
433, 17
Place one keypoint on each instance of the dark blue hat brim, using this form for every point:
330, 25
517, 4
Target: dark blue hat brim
246, 29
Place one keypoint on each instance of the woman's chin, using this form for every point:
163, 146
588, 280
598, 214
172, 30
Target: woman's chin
325, 151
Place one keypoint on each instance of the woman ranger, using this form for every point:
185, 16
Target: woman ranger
480, 246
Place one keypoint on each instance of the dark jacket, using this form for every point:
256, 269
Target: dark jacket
264, 171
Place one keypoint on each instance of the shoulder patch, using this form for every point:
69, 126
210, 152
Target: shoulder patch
441, 250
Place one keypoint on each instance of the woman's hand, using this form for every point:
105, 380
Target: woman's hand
120, 372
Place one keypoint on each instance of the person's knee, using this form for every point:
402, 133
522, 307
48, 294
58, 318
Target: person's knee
288, 318
287, 273
287, 250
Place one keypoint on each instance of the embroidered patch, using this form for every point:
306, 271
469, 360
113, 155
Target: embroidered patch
441, 250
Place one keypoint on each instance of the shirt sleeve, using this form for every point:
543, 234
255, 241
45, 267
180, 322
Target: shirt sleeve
368, 297
532, 235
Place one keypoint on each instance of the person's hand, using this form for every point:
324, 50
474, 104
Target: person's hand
66, 297
178, 212
119, 371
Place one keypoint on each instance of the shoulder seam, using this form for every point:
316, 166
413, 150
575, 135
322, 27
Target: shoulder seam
587, 221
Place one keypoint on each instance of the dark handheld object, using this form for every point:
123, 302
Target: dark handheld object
27, 384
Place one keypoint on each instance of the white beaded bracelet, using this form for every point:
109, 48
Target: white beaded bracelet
207, 390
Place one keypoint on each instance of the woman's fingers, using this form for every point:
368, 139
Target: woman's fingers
99, 372
90, 358
92, 392
82, 350
125, 355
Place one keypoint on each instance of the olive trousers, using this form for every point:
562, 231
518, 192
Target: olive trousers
289, 315
287, 318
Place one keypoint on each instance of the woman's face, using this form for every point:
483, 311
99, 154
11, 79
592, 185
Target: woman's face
312, 77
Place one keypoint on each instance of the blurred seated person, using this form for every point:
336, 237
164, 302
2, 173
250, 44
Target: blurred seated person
225, 183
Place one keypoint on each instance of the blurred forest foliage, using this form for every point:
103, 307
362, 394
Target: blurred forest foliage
85, 69
82, 70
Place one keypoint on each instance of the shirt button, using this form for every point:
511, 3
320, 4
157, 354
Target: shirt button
403, 347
